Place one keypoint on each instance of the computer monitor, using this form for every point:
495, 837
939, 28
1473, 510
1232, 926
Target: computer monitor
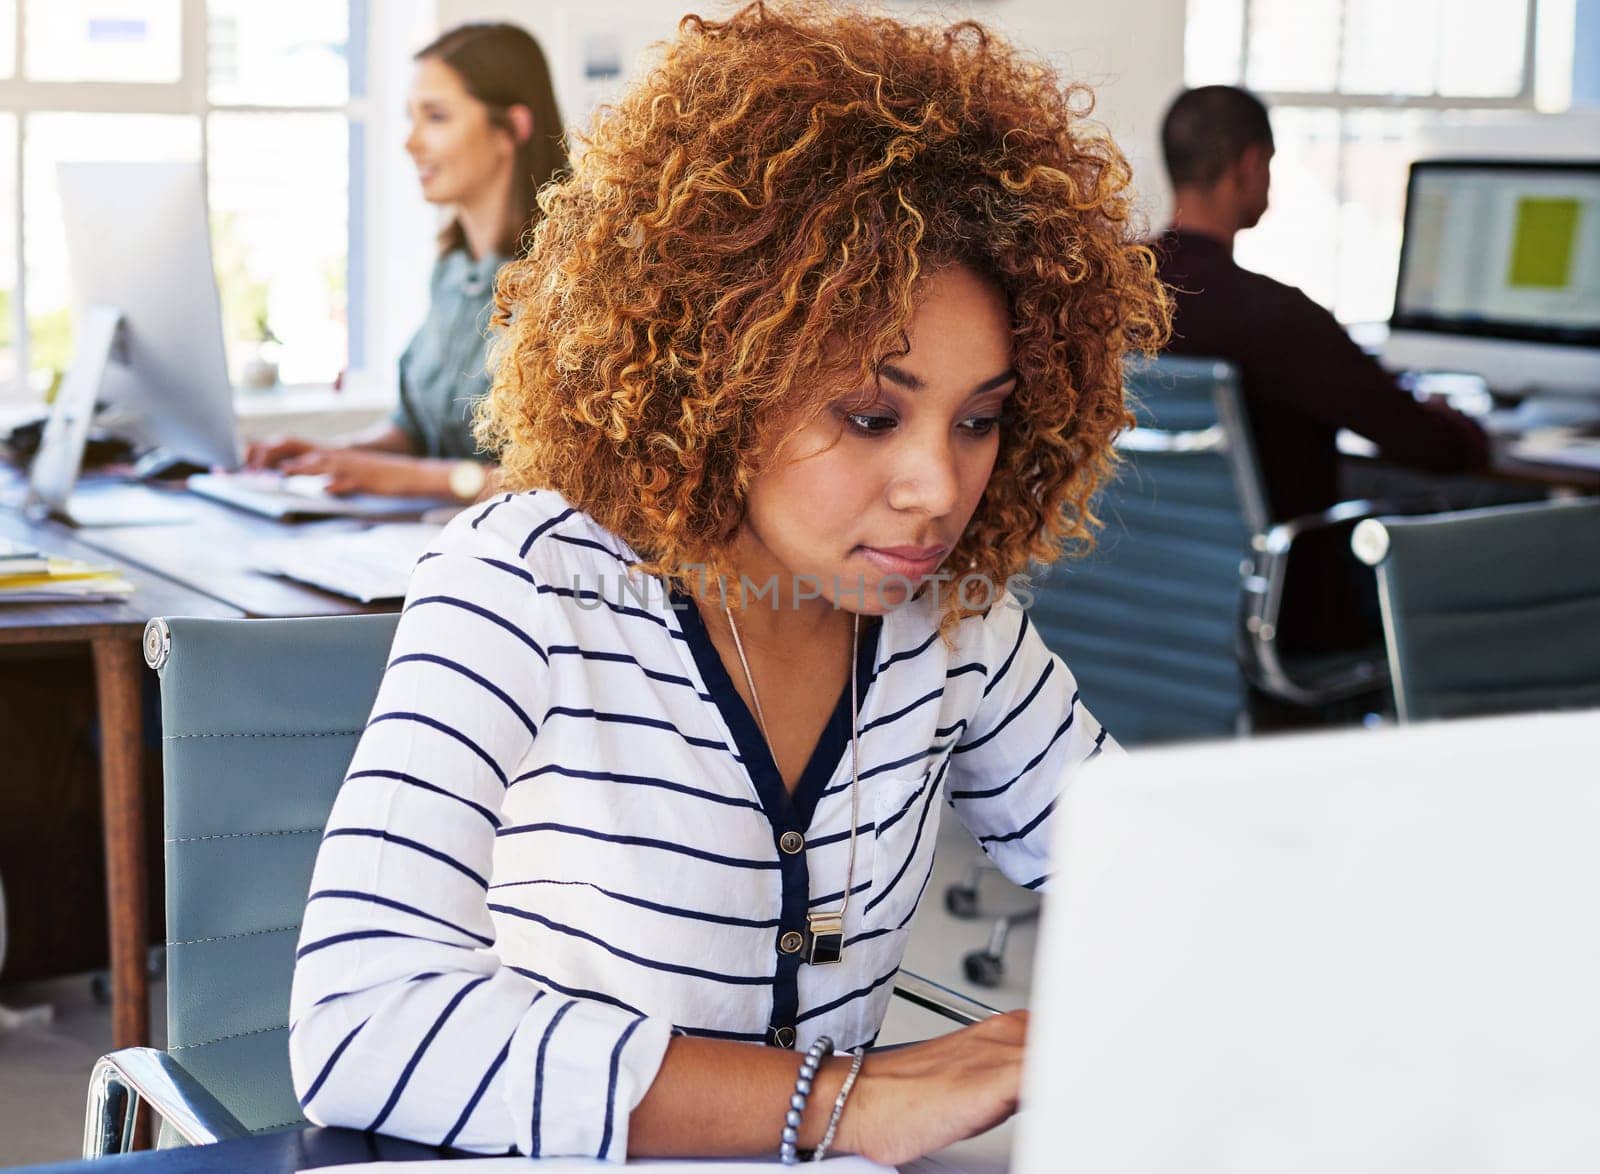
138, 241
1500, 274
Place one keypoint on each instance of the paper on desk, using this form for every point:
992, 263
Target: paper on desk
841, 1165
64, 579
366, 565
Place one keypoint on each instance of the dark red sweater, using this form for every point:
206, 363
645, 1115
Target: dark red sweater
1303, 378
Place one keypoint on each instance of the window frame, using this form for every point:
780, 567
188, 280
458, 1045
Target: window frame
1522, 100
1341, 104
188, 96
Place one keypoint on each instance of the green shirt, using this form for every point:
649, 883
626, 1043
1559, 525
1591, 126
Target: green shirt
443, 372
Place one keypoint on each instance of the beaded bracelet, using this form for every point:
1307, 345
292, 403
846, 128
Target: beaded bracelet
789, 1145
821, 1151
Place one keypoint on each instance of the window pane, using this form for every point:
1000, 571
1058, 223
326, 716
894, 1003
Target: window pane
1390, 46
8, 38
9, 383
1378, 148
1449, 47
289, 53
1297, 240
280, 236
49, 139
1294, 44
1556, 42
1337, 208
1481, 55
104, 40
1212, 41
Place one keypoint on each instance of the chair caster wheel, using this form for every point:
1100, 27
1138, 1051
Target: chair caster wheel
961, 901
983, 969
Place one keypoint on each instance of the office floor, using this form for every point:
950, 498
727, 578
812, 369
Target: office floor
45, 1069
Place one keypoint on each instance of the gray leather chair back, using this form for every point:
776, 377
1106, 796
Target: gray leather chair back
260, 720
1490, 611
1149, 623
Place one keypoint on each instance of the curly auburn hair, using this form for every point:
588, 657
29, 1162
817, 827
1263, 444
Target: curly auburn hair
741, 240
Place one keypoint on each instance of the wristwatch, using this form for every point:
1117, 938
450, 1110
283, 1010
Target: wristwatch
467, 479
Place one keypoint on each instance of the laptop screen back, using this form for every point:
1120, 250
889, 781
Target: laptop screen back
1372, 952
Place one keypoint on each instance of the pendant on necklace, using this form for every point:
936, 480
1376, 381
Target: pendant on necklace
824, 937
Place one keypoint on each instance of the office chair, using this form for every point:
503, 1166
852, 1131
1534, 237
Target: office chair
1175, 613
1178, 606
1489, 611
260, 721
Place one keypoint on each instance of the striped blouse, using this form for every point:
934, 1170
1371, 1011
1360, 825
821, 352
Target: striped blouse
562, 839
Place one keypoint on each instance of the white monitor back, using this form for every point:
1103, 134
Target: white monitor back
138, 239
1512, 367
1373, 952
1500, 274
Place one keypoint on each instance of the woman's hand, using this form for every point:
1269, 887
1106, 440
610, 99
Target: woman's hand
355, 470
911, 1101
716, 1098
270, 453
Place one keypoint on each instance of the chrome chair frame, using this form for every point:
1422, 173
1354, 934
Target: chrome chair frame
1264, 569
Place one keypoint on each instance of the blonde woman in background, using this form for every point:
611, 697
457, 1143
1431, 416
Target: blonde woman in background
485, 136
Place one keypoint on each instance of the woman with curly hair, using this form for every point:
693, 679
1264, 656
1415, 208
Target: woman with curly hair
819, 345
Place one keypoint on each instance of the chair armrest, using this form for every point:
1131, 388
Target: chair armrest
121, 1080
1281, 537
1262, 603
937, 997
1263, 581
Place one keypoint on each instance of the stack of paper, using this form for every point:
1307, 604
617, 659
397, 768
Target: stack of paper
27, 576
369, 565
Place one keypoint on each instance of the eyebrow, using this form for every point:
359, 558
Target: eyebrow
903, 378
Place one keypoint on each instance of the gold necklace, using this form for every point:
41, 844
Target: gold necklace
824, 928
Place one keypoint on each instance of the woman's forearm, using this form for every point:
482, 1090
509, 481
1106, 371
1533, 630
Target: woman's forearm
713, 1098
383, 437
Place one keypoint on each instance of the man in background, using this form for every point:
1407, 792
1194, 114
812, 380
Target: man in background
1303, 378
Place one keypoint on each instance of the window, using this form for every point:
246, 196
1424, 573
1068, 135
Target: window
263, 95
1355, 87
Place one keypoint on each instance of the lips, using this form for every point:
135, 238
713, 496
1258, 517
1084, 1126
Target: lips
911, 561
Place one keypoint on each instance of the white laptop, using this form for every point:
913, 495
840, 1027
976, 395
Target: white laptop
1362, 953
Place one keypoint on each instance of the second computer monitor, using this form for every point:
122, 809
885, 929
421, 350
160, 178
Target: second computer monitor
1500, 274
138, 241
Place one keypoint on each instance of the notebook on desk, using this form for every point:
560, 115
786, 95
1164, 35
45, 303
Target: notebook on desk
1370, 951
276, 495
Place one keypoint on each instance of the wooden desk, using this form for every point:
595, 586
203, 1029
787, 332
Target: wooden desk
197, 568
1517, 473
113, 631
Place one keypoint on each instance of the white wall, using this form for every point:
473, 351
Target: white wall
1130, 51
